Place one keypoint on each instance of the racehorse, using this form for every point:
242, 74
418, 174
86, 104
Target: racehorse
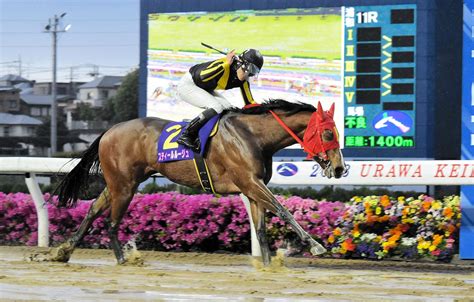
239, 158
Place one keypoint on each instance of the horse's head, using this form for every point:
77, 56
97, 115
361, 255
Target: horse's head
321, 142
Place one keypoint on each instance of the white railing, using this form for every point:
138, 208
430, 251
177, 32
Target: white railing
416, 172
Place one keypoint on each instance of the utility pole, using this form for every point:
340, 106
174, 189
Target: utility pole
19, 65
53, 29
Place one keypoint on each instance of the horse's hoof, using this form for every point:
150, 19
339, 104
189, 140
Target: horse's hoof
38, 257
61, 254
317, 250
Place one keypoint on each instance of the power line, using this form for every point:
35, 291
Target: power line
10, 62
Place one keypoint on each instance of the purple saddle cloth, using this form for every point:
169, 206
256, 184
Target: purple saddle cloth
170, 150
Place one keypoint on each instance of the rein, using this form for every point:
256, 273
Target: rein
312, 142
287, 129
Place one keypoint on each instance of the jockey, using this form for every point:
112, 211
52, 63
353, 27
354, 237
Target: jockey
197, 87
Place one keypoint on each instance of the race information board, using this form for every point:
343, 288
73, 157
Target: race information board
466, 233
379, 52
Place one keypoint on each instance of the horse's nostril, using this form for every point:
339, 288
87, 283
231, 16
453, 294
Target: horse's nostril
338, 171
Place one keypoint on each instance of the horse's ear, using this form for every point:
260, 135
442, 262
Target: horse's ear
331, 110
320, 111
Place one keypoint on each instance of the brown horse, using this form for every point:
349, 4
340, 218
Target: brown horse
239, 159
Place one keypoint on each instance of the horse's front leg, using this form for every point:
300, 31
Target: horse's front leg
258, 191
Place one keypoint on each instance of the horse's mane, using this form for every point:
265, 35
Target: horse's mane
274, 104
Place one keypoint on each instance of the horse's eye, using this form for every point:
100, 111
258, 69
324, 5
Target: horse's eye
328, 135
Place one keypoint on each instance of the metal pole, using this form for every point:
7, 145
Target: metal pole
19, 65
255, 245
41, 209
54, 105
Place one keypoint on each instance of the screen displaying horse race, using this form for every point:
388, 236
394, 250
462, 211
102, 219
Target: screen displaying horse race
360, 58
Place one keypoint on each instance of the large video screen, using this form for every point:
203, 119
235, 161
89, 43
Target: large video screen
327, 55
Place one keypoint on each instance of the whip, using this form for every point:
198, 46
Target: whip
210, 47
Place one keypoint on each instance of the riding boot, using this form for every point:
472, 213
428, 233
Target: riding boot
190, 136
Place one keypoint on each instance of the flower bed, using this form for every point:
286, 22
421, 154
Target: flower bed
366, 227
381, 227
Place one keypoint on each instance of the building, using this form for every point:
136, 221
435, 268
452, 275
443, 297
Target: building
15, 133
98, 91
9, 99
13, 80
40, 105
45, 88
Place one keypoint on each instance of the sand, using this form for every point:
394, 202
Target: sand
93, 275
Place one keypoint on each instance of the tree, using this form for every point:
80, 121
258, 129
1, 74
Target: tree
84, 112
43, 134
125, 102
107, 111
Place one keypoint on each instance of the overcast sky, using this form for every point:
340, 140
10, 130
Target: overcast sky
104, 33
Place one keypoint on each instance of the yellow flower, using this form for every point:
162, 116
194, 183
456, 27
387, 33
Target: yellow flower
337, 231
378, 210
331, 239
356, 233
423, 245
436, 205
432, 248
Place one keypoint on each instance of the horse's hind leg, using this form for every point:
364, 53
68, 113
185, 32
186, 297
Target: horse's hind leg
63, 252
121, 198
258, 217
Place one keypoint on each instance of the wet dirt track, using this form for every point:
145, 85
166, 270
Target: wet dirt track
92, 275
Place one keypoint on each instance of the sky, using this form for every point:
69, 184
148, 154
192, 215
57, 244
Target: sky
104, 33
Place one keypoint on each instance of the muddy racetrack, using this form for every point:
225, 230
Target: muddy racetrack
92, 275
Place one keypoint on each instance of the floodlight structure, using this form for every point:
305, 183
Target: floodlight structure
53, 28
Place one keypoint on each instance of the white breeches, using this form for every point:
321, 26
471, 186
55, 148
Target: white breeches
196, 96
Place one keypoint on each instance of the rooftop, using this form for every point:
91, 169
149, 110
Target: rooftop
33, 99
8, 88
18, 119
103, 82
13, 78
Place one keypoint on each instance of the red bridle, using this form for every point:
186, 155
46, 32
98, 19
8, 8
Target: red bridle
312, 142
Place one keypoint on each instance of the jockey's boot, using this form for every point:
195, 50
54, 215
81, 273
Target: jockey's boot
190, 136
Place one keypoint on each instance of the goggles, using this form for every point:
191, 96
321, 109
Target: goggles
250, 68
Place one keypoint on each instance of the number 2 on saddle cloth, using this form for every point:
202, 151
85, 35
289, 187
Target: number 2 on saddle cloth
170, 150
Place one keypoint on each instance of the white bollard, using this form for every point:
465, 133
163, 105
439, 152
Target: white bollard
41, 209
256, 252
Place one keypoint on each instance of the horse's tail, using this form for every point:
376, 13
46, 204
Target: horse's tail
77, 180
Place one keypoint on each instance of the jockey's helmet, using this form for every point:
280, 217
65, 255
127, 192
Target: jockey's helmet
252, 61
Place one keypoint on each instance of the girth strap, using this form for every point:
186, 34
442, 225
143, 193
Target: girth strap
203, 173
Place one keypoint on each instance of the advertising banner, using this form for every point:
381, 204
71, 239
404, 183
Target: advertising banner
423, 172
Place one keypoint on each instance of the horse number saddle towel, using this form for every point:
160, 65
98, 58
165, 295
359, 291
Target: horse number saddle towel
170, 150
